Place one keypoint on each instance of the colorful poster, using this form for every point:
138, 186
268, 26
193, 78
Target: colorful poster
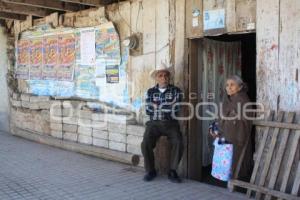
108, 44
87, 47
36, 58
64, 88
23, 59
77, 46
112, 73
66, 61
85, 83
50, 57
51, 88
39, 87
100, 69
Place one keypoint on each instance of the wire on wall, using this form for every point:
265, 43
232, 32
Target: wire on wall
130, 28
137, 17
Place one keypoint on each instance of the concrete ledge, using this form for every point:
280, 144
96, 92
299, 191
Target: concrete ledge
76, 147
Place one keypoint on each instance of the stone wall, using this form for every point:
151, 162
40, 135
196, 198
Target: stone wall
73, 120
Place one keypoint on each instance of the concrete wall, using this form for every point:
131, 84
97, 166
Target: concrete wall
4, 106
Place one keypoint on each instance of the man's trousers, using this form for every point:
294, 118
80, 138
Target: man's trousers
155, 129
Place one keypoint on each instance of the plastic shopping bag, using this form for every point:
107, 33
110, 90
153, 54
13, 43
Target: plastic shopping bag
222, 160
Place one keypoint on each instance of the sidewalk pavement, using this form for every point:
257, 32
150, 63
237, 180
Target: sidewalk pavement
32, 171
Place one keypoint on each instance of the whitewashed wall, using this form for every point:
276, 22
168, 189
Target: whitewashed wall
4, 108
162, 23
278, 64
278, 54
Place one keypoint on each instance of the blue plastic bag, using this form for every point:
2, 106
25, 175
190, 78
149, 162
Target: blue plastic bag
222, 160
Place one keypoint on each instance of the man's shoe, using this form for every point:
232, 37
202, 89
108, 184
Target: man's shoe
173, 177
150, 176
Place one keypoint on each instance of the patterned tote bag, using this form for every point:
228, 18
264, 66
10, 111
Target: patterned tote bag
222, 160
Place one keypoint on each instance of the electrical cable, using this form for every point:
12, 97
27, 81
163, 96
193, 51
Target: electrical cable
123, 17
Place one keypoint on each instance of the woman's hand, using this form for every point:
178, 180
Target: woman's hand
212, 134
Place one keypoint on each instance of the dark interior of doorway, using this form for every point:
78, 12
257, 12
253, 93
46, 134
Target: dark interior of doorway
248, 46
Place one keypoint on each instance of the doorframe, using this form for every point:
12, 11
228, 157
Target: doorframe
194, 136
194, 127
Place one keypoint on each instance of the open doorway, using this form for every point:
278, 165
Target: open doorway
248, 58
217, 58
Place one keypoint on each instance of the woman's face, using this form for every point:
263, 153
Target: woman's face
232, 87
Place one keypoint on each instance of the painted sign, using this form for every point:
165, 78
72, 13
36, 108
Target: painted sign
214, 19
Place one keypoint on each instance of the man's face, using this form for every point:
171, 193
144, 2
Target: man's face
162, 78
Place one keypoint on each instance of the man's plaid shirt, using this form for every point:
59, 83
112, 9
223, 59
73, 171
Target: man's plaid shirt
159, 105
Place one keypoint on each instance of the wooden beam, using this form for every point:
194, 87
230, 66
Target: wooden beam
277, 124
96, 3
104, 153
12, 16
264, 190
24, 10
53, 4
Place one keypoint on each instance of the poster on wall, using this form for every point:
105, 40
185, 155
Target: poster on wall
108, 44
51, 88
56, 56
87, 47
50, 57
85, 82
39, 87
23, 59
63, 88
100, 69
66, 61
36, 58
112, 73
214, 19
77, 46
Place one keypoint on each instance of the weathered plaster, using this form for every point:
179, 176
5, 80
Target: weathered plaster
4, 106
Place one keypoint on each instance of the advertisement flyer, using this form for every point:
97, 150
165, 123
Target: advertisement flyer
66, 63
36, 58
50, 58
112, 73
23, 59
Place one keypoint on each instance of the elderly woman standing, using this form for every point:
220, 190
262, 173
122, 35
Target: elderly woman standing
234, 124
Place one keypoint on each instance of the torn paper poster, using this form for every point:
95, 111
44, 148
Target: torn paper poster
23, 59
66, 47
36, 58
50, 57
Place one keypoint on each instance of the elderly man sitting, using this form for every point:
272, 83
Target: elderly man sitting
162, 107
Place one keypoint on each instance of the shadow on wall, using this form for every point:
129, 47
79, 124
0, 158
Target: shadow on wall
4, 105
